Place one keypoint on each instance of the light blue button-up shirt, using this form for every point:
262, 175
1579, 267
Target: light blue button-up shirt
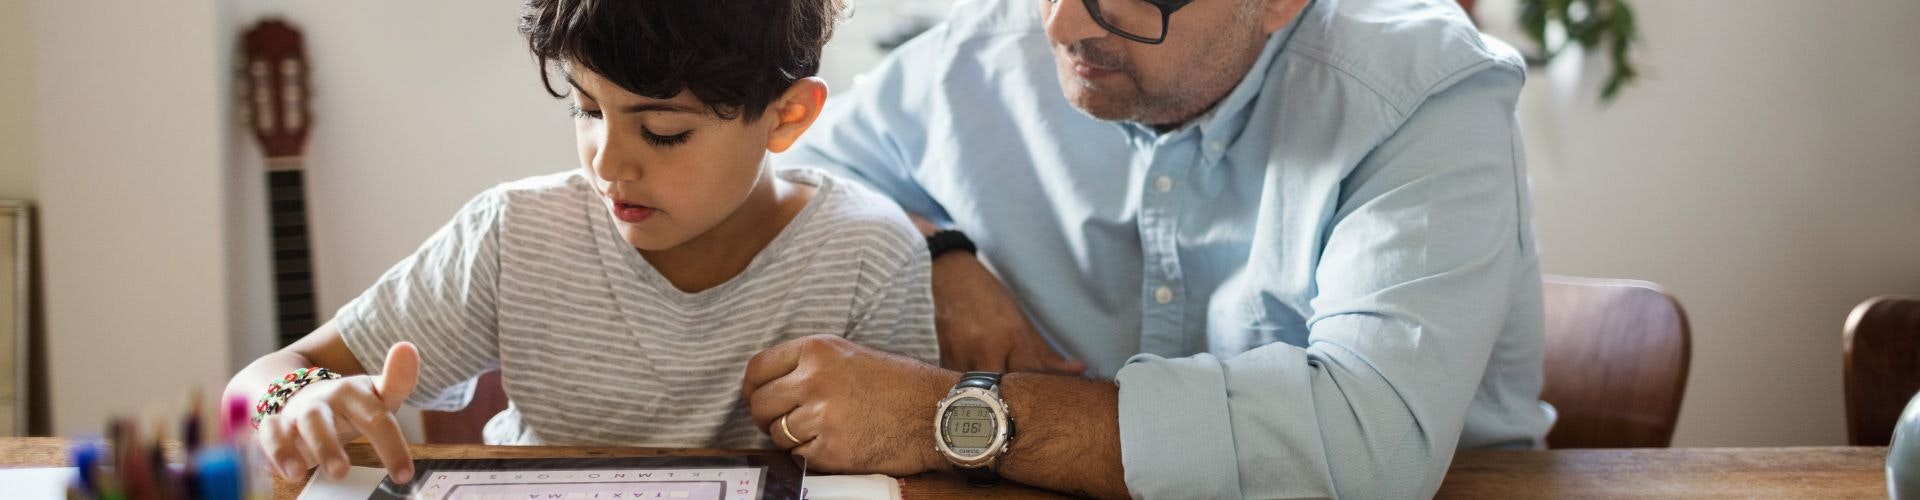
1321, 287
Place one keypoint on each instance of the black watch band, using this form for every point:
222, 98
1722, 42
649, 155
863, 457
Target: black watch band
983, 380
947, 240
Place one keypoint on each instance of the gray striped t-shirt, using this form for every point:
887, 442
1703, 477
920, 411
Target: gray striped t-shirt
594, 346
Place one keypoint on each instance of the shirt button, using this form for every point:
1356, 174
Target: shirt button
1217, 146
1163, 295
1163, 184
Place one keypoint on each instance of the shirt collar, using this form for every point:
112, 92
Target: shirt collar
1219, 126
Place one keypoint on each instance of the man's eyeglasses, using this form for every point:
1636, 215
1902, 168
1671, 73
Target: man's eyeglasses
1143, 21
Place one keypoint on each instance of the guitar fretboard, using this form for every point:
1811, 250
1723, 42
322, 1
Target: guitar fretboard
292, 256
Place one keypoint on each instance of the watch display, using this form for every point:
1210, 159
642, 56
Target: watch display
967, 427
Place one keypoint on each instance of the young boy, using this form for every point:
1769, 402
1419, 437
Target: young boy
621, 301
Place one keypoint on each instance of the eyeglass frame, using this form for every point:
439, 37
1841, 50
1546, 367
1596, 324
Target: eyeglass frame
1167, 8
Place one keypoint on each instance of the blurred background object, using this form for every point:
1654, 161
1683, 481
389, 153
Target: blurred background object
19, 394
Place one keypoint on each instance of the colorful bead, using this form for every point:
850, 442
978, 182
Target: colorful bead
277, 392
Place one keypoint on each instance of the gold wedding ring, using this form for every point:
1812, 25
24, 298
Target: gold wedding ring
788, 431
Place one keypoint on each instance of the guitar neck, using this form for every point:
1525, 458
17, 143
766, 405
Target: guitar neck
292, 255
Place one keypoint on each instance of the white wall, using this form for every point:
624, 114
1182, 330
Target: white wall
130, 123
19, 165
1768, 172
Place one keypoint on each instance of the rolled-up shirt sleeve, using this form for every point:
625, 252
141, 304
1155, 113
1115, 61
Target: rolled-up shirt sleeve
1414, 286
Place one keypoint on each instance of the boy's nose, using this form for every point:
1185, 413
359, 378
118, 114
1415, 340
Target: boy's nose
616, 160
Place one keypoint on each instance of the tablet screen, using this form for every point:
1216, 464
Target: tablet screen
748, 476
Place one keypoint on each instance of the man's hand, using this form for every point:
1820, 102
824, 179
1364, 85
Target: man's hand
982, 327
847, 408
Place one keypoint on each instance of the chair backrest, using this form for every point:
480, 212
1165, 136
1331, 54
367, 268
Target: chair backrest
465, 426
1616, 364
1882, 366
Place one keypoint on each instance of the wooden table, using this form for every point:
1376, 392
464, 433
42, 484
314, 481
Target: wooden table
1834, 472
1827, 472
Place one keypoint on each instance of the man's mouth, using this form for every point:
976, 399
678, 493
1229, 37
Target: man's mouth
1090, 71
1091, 64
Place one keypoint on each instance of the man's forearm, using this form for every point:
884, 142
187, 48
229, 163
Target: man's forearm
925, 226
1068, 434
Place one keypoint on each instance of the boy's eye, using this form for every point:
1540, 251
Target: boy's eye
577, 112
665, 140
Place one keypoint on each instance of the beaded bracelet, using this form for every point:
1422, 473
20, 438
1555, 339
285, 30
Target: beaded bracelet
278, 391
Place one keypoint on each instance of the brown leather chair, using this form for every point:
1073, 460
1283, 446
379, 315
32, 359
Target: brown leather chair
1616, 368
464, 426
1881, 367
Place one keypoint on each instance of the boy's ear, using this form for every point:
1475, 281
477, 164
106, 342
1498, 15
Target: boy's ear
794, 111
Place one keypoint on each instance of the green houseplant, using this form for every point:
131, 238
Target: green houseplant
1597, 26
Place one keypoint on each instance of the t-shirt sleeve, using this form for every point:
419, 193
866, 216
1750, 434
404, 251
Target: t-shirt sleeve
893, 307
441, 298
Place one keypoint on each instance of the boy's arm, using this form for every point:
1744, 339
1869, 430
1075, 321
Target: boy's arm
439, 298
442, 298
323, 348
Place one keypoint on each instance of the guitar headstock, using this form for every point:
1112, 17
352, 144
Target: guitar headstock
273, 80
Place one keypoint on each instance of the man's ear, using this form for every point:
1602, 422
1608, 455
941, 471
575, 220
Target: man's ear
1278, 13
793, 112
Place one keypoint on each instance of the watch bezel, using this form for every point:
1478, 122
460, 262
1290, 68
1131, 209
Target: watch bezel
1002, 424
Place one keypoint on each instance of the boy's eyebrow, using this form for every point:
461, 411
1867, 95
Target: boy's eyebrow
658, 106
637, 108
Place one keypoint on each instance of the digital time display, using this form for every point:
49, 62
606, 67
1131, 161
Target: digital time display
968, 426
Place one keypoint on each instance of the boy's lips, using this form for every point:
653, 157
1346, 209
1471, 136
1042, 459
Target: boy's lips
629, 212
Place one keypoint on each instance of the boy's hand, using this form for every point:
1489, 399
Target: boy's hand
981, 326
309, 430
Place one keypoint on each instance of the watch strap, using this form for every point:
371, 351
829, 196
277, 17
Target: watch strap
979, 477
948, 240
984, 380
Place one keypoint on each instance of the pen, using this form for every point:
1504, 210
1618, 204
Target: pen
219, 475
86, 459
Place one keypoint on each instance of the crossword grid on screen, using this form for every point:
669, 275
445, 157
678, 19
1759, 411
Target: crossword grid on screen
595, 484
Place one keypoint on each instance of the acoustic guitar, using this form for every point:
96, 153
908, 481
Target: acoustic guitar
273, 82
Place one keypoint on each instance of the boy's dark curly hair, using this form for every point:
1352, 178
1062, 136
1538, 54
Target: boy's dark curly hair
737, 56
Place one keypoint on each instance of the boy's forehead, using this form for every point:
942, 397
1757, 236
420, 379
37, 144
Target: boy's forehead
601, 90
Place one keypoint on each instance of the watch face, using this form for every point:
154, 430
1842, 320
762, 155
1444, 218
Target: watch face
968, 427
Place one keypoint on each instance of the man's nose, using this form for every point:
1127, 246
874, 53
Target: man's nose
1068, 21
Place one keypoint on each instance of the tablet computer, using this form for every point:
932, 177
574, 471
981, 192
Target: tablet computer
745, 476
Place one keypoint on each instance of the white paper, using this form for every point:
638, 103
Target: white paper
361, 481
37, 482
868, 487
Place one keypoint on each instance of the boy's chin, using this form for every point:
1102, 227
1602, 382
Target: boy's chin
647, 241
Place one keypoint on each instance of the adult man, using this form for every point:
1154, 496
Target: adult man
1288, 238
